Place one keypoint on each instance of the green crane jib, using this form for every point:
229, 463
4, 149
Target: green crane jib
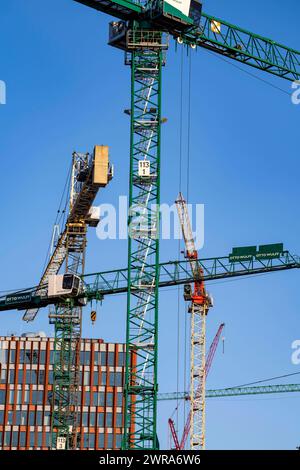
98, 285
234, 392
208, 32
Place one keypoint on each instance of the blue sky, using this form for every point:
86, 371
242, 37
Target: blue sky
66, 91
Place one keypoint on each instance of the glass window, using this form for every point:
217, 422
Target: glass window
51, 357
22, 356
121, 359
14, 441
28, 377
85, 418
101, 398
110, 438
95, 377
31, 439
12, 356
95, 398
1, 418
40, 394
87, 358
85, 440
11, 397
109, 399
111, 379
91, 440
39, 439
47, 419
42, 357
48, 439
20, 376
26, 397
118, 379
2, 397
39, 418
82, 357
100, 420
101, 440
118, 441
119, 399
31, 419
2, 376
96, 358
86, 377
19, 397
109, 420
34, 395
22, 439
87, 398
103, 378
119, 420
3, 355
103, 358
18, 418
10, 416
11, 377
23, 418
41, 377
28, 356
7, 438
34, 357
50, 377
34, 377
111, 358
92, 419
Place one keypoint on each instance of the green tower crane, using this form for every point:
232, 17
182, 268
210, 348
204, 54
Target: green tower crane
142, 31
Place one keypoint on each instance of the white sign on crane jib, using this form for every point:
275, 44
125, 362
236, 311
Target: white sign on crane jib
181, 5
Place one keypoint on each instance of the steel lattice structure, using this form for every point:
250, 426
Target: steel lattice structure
234, 391
143, 247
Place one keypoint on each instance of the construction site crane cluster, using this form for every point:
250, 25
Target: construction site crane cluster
143, 31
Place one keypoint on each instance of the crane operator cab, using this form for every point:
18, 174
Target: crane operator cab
176, 15
63, 285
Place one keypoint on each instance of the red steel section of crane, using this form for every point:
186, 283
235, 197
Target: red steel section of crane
209, 360
199, 295
213, 348
174, 434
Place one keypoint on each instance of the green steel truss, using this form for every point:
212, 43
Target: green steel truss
230, 40
248, 48
173, 273
143, 245
179, 272
67, 320
234, 391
